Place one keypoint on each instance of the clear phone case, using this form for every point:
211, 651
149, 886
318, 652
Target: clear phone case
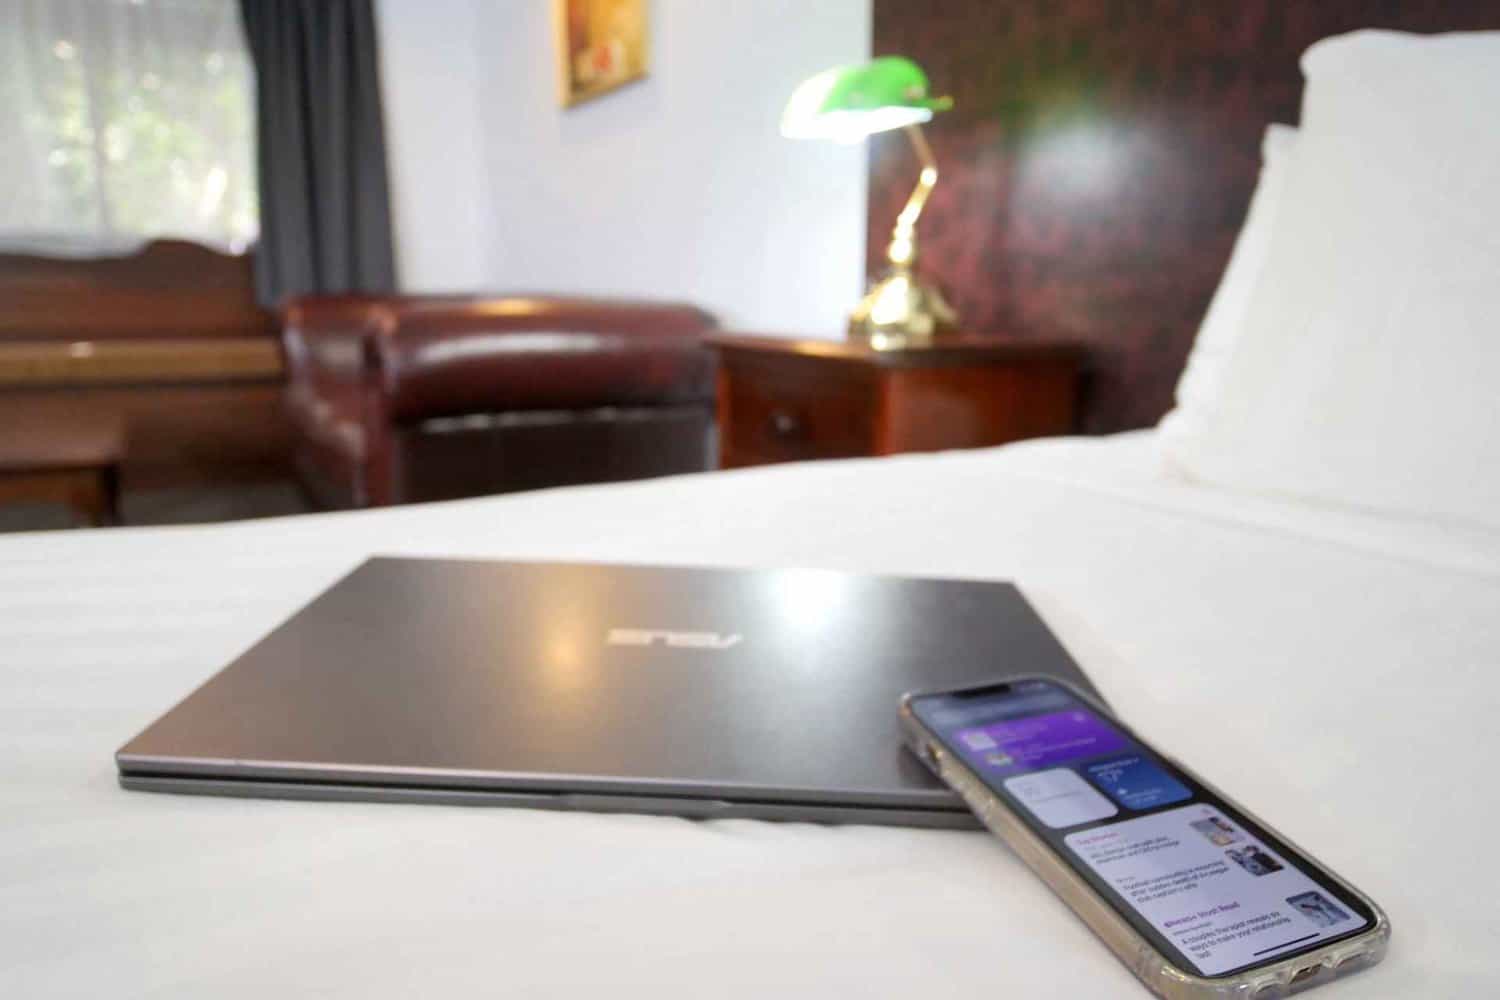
1149, 965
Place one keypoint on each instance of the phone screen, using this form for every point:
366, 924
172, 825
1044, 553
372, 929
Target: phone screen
1209, 888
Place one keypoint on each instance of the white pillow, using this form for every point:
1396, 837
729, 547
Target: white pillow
1364, 372
1201, 378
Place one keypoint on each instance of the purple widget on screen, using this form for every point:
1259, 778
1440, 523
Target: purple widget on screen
1040, 740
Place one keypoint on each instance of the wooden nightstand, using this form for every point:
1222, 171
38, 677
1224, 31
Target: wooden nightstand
783, 400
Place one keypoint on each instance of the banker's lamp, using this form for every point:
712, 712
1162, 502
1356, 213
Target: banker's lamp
846, 104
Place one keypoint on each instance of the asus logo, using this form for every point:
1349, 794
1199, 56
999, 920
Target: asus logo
666, 637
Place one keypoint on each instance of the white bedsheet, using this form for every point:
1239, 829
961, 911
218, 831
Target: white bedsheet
1336, 672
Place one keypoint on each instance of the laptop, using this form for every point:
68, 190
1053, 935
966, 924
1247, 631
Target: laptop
707, 693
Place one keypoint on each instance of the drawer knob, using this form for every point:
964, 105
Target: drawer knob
784, 424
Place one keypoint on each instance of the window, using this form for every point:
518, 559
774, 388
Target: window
124, 120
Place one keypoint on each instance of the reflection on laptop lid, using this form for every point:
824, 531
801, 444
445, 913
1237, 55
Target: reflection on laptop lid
698, 692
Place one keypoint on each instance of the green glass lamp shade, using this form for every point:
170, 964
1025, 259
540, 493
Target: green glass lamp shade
847, 103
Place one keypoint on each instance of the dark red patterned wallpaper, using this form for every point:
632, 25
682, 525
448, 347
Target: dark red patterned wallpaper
1099, 161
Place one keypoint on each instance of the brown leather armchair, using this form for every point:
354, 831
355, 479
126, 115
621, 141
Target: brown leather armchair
399, 399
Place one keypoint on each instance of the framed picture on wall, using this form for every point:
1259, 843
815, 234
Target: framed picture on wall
601, 45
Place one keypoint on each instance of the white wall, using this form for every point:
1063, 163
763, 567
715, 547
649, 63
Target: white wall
675, 187
431, 87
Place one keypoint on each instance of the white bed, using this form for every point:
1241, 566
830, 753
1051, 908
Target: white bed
1336, 671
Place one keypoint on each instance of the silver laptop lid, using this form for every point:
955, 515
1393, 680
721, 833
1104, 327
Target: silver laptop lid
775, 686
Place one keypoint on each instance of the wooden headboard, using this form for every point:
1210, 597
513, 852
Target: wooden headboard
1099, 160
169, 338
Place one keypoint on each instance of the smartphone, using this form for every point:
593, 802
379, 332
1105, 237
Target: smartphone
1196, 896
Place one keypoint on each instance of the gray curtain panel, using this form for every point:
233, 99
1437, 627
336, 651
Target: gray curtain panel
325, 223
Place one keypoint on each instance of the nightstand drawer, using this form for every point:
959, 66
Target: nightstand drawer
774, 412
784, 400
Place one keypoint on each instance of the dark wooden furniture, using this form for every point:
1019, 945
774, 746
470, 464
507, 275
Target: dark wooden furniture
786, 400
406, 398
168, 341
75, 461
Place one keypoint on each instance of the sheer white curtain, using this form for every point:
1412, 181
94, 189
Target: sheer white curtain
124, 120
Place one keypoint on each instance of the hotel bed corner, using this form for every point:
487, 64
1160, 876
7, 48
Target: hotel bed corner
1334, 670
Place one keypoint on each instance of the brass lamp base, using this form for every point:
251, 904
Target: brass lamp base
900, 311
